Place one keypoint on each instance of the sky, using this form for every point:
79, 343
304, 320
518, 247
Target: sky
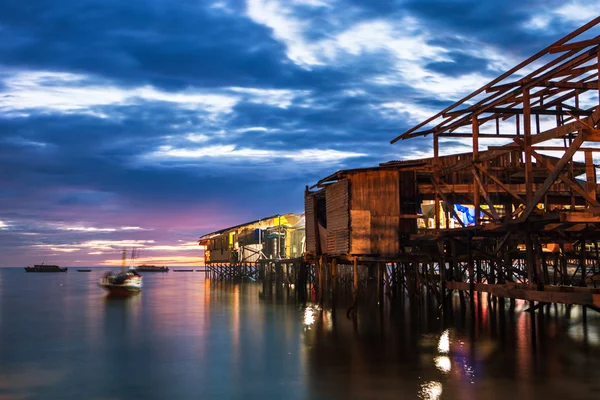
149, 123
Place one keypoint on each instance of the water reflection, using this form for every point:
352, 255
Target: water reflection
443, 363
430, 391
188, 337
494, 352
444, 344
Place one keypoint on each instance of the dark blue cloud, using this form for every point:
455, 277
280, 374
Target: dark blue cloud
96, 162
502, 23
166, 44
461, 64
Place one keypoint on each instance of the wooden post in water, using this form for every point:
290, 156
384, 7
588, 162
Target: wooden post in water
321, 283
380, 266
355, 286
333, 282
442, 272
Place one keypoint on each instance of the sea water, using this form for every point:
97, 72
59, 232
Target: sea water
187, 337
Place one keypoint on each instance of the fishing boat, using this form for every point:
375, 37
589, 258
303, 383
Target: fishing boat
45, 268
125, 283
151, 268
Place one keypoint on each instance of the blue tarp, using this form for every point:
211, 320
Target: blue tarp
468, 214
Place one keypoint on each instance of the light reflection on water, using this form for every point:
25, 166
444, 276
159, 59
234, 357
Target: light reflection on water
186, 337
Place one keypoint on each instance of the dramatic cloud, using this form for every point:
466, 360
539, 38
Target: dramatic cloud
148, 123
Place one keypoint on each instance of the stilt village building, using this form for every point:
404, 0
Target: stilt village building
275, 237
517, 216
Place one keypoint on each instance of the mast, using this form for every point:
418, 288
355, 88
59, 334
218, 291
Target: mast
123, 259
132, 266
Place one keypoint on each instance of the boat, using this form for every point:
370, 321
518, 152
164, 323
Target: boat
45, 268
124, 283
151, 268
84, 270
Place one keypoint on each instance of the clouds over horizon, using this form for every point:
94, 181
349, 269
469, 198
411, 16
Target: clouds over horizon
184, 117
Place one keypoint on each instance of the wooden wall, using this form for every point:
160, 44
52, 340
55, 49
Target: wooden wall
310, 214
338, 224
375, 212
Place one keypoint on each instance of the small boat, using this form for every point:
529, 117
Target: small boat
151, 268
125, 283
45, 268
84, 270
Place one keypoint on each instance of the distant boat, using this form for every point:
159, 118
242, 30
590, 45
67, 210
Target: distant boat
126, 282
151, 268
45, 268
84, 270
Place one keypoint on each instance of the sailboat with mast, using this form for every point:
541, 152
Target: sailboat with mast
126, 282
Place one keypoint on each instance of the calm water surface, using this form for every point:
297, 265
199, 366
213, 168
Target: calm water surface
185, 337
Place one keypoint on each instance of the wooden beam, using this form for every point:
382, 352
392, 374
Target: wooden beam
527, 149
499, 246
476, 198
574, 46
481, 135
570, 127
436, 175
508, 73
485, 195
448, 203
563, 177
528, 82
505, 187
590, 174
554, 173
579, 217
579, 71
569, 85
534, 110
550, 294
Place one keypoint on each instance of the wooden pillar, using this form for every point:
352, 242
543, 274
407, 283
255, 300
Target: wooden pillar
395, 280
436, 178
333, 282
595, 264
476, 196
380, 266
471, 270
590, 173
529, 262
442, 272
563, 265
355, 282
321, 283
538, 260
582, 258
528, 149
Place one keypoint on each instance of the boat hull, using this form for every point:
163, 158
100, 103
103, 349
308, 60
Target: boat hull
123, 284
45, 268
152, 269
121, 290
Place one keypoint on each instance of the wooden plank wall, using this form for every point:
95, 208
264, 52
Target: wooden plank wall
311, 222
360, 239
338, 222
408, 201
378, 193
